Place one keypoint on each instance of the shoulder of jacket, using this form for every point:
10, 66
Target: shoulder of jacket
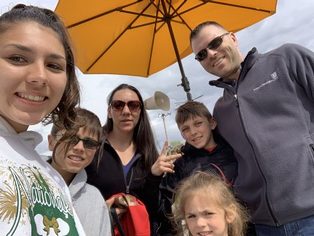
287, 49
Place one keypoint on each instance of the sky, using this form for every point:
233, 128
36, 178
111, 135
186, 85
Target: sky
293, 22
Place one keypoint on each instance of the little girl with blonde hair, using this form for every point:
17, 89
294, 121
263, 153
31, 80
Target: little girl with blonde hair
204, 204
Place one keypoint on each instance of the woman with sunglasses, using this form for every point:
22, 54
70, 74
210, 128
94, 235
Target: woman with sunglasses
71, 154
128, 159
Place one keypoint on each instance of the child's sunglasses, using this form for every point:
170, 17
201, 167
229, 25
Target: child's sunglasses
87, 142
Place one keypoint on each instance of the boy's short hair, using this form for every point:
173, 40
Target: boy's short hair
87, 120
190, 110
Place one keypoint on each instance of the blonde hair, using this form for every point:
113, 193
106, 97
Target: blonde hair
218, 191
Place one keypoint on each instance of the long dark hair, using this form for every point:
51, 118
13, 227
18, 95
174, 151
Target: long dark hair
142, 135
64, 113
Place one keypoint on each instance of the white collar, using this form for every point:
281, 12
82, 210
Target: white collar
31, 138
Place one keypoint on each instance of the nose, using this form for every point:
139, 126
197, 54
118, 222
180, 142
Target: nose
201, 221
211, 52
79, 145
126, 109
37, 74
193, 131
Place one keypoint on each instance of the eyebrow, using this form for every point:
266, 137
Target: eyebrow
187, 214
87, 137
29, 50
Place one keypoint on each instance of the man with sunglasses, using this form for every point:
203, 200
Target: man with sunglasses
71, 153
267, 115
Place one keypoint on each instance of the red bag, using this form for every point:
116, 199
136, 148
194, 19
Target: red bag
135, 221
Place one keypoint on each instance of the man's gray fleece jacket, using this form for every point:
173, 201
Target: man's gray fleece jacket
268, 118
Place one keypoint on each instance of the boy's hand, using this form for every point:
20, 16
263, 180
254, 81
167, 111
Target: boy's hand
164, 163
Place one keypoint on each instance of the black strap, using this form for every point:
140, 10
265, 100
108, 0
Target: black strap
115, 221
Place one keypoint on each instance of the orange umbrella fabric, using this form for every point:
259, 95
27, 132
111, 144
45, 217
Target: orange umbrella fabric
145, 36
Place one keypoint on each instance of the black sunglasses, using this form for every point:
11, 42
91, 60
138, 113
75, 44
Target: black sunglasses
118, 105
214, 44
87, 142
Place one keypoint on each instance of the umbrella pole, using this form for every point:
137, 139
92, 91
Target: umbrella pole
184, 80
163, 116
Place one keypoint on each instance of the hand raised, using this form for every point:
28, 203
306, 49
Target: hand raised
164, 163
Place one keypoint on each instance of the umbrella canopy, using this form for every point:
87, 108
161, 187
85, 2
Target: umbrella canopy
142, 37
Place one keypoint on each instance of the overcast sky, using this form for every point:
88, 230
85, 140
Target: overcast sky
293, 22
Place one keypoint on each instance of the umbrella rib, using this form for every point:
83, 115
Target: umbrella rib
153, 39
176, 13
192, 8
157, 8
175, 10
146, 24
147, 15
100, 15
164, 14
226, 4
163, 19
160, 19
164, 22
136, 13
184, 81
117, 38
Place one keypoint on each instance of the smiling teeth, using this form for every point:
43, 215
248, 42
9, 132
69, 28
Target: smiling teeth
32, 97
76, 158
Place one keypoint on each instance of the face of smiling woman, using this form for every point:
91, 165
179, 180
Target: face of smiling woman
32, 73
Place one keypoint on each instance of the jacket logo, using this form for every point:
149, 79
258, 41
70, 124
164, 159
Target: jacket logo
273, 76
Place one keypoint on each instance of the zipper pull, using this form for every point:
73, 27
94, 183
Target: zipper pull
127, 189
235, 96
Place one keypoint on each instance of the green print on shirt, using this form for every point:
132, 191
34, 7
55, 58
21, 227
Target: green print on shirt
48, 210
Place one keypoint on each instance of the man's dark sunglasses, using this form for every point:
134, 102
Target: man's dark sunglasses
88, 143
214, 44
119, 105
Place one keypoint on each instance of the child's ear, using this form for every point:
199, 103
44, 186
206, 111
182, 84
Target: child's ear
51, 142
212, 123
231, 213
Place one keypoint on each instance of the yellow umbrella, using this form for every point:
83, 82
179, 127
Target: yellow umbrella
142, 37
